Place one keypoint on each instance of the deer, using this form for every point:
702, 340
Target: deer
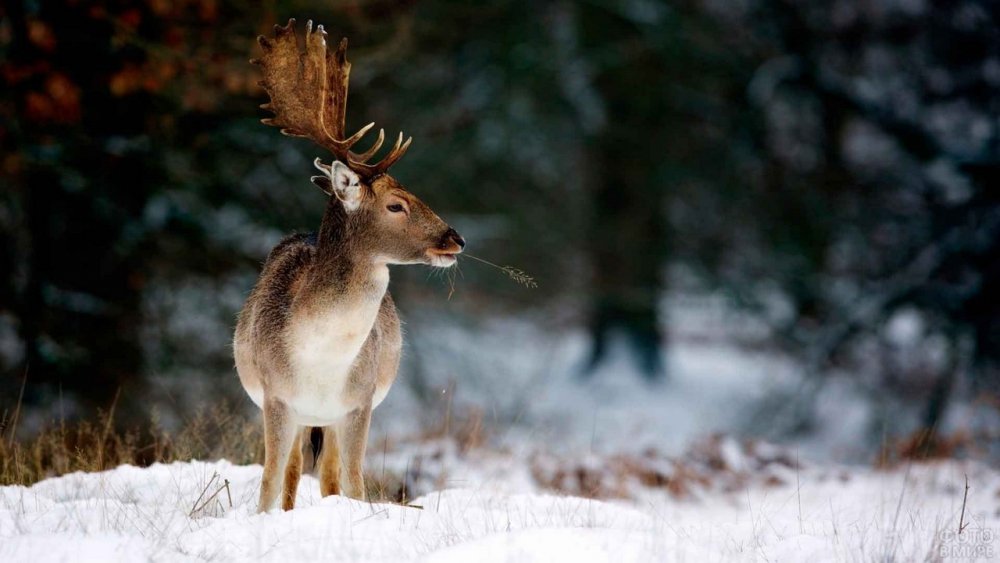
317, 344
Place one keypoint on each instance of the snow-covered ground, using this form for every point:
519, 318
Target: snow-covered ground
520, 461
184, 511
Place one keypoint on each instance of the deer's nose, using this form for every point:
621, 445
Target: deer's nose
453, 235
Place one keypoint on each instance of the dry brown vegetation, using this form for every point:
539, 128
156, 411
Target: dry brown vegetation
95, 445
704, 466
930, 444
227, 433
224, 432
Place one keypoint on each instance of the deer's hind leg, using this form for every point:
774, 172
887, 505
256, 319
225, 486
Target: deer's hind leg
329, 463
279, 436
293, 471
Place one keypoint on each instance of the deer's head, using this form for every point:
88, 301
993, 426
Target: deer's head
308, 91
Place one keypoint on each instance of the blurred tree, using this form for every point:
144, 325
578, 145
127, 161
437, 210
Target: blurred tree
97, 97
832, 167
877, 134
625, 147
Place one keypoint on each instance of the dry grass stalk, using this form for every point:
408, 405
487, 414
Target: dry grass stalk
516, 274
97, 445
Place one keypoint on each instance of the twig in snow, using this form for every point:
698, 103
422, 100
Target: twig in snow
406, 477
894, 538
798, 489
194, 508
211, 498
965, 498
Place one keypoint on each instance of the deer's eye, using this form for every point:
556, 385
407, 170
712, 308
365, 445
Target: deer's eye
395, 207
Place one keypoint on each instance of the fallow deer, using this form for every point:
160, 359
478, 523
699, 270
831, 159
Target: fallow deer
318, 342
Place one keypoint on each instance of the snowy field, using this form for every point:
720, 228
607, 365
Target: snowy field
616, 469
184, 511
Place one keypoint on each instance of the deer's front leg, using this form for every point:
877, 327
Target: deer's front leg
353, 437
279, 437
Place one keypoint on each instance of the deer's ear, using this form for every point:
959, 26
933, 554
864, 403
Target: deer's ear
323, 183
341, 182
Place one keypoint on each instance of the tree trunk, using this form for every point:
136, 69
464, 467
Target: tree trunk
627, 242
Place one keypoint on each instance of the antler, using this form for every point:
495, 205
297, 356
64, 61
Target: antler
308, 91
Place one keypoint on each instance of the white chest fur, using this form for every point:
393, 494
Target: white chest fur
324, 347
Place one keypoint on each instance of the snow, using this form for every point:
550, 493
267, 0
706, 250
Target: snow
617, 469
833, 514
527, 380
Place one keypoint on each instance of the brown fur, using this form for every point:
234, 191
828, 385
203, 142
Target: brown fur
318, 341
329, 463
314, 281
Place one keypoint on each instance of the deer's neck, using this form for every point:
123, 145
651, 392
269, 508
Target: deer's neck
345, 269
